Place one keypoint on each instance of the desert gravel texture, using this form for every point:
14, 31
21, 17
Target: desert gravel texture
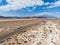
45, 34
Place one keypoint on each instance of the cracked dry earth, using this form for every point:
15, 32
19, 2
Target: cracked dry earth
46, 34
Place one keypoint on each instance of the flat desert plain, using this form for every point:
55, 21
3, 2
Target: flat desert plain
30, 31
10, 24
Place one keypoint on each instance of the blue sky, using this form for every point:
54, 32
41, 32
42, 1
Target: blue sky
25, 8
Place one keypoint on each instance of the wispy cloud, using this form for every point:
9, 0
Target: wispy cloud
0, 1
56, 4
47, 3
55, 14
7, 14
22, 7
18, 4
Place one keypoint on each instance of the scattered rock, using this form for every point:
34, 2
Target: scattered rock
47, 34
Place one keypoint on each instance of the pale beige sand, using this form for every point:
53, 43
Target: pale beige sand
45, 34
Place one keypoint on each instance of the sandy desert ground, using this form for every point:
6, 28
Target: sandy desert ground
32, 31
10, 24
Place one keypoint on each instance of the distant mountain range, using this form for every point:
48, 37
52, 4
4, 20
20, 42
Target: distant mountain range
43, 16
49, 16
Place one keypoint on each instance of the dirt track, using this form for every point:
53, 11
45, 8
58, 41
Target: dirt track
19, 26
18, 30
11, 27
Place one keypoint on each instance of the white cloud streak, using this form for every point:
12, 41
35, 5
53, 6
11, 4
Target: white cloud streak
55, 14
47, 3
18, 4
56, 4
0, 0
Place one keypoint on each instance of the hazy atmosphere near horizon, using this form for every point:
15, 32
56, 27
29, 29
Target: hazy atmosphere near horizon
29, 22
23, 8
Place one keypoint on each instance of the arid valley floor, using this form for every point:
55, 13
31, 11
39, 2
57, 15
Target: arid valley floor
30, 31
